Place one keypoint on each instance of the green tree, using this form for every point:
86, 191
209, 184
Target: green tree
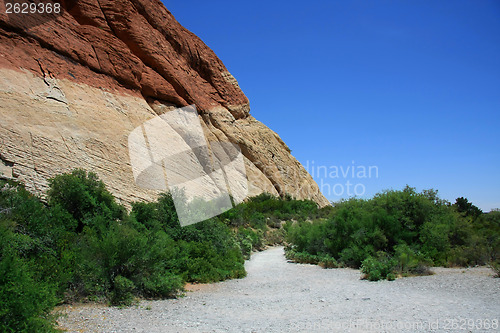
462, 205
84, 196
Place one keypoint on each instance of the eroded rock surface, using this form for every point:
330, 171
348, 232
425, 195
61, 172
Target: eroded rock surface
72, 89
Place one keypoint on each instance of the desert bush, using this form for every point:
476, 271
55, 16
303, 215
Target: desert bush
207, 251
410, 262
255, 237
245, 245
163, 285
495, 266
83, 245
487, 227
258, 220
25, 299
274, 236
122, 291
84, 196
249, 240
432, 231
267, 209
326, 261
379, 267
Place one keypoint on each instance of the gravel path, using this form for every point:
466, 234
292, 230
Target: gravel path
277, 296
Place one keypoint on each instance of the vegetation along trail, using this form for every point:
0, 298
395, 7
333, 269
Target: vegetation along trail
278, 296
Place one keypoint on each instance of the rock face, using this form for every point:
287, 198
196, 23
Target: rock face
73, 86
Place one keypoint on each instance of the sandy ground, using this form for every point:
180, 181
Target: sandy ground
278, 296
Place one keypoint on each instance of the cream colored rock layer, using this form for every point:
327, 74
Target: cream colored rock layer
50, 126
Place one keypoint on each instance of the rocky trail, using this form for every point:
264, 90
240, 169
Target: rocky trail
278, 296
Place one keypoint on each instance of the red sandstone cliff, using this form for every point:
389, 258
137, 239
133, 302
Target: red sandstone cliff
74, 85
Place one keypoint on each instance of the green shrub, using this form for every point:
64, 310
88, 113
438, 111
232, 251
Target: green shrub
274, 237
410, 262
326, 261
25, 301
245, 245
84, 246
84, 196
265, 208
377, 268
434, 231
122, 291
254, 236
495, 266
258, 221
162, 285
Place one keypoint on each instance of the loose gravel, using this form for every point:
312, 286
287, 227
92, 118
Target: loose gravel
278, 296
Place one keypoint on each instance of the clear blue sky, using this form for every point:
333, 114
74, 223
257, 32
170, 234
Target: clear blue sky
411, 87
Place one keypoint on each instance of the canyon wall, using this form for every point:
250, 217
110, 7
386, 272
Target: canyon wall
73, 86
